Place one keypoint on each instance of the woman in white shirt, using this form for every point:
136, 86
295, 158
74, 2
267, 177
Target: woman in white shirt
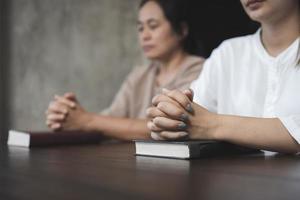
249, 90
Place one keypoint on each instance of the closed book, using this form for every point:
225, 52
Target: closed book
44, 138
189, 149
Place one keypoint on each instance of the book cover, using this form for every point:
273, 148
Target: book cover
189, 149
46, 138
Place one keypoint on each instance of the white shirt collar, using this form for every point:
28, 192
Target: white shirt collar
287, 57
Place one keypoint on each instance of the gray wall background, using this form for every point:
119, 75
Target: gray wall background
84, 46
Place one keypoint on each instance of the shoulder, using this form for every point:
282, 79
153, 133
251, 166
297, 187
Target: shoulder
193, 64
238, 41
195, 60
237, 45
191, 69
231, 51
140, 74
140, 70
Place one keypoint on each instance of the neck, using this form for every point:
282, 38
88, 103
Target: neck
172, 62
279, 35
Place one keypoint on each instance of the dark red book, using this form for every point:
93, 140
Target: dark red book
45, 138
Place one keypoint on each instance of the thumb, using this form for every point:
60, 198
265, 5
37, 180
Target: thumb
189, 93
71, 96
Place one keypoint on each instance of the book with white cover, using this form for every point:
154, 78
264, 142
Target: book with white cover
188, 149
17, 138
45, 138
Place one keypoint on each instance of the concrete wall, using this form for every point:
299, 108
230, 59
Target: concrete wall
84, 46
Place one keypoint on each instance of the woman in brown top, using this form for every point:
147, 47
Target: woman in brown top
166, 41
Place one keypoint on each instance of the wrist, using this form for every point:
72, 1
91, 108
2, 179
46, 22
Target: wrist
87, 121
227, 125
205, 127
218, 128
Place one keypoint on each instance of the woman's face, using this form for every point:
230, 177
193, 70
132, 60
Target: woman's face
156, 36
268, 10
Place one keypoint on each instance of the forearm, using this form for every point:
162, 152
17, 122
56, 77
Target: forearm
119, 128
262, 133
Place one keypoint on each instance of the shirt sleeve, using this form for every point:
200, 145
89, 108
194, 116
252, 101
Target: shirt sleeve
121, 103
205, 86
292, 124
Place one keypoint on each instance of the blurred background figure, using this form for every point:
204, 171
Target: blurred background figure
166, 42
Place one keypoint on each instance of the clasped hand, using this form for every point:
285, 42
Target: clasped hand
175, 116
65, 113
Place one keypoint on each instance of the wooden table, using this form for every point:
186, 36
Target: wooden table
111, 171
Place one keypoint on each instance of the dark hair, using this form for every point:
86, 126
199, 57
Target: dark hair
176, 12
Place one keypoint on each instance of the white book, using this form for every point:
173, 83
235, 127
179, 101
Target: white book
188, 149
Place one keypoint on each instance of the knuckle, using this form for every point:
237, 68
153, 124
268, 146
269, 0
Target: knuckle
177, 123
166, 134
176, 134
186, 101
160, 96
68, 102
161, 105
155, 99
153, 127
155, 136
149, 111
63, 101
174, 92
177, 112
156, 121
149, 125
163, 134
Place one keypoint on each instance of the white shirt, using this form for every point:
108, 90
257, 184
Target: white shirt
241, 78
